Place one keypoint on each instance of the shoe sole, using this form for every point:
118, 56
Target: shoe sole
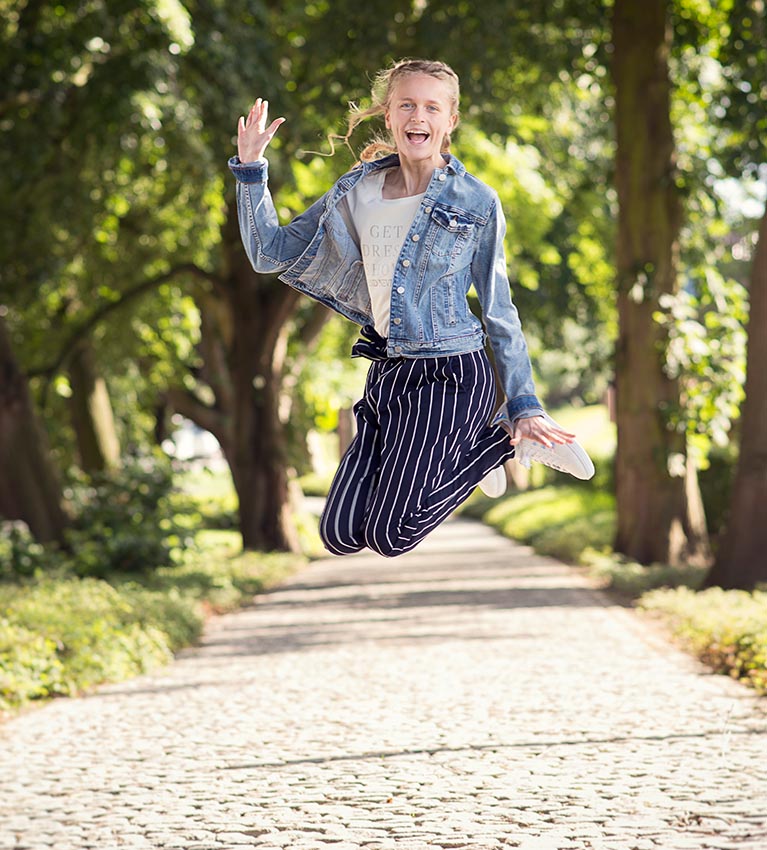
578, 463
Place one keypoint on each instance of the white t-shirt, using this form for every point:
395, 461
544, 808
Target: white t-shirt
381, 225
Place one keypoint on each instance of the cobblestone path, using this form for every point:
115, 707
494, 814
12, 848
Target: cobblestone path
469, 695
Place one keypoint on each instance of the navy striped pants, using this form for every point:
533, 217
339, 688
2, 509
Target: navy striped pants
422, 445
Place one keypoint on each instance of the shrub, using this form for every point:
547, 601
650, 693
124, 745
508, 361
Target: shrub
98, 634
22, 555
61, 634
632, 579
125, 520
29, 665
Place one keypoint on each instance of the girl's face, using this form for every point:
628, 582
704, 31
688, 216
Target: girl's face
419, 116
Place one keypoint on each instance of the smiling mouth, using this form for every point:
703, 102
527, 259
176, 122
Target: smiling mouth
417, 137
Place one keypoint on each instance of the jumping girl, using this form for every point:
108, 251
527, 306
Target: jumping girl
395, 246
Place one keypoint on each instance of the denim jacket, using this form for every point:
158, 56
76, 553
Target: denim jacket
455, 241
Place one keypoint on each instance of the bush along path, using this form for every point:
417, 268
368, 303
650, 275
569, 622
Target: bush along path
470, 694
62, 634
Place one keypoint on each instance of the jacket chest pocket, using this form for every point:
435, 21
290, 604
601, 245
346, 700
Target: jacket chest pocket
450, 232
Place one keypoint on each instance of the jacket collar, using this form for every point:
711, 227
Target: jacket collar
452, 164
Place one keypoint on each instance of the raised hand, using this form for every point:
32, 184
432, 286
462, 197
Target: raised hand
252, 133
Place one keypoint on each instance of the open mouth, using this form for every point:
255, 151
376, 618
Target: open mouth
417, 137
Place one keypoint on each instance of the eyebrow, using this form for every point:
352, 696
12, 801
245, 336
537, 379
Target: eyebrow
429, 102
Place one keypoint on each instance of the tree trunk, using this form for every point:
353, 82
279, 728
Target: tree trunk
29, 487
741, 560
243, 336
91, 409
659, 515
255, 447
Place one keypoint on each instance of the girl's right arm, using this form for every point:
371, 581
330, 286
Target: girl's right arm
270, 247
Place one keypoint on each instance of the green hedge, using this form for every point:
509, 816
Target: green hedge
86, 631
725, 628
62, 634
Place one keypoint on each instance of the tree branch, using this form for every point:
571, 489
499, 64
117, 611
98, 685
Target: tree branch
215, 370
186, 403
104, 310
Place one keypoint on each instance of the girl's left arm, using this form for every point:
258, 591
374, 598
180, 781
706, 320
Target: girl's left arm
491, 281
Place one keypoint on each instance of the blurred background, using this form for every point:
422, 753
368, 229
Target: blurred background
142, 360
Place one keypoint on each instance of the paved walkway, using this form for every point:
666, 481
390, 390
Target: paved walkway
469, 695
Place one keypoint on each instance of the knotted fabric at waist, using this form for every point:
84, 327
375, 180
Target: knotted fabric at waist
370, 344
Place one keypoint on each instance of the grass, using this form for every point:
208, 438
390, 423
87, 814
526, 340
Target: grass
557, 521
592, 425
727, 629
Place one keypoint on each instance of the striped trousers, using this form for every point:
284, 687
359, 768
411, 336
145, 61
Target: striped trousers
422, 445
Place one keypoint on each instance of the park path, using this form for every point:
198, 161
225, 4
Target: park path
470, 694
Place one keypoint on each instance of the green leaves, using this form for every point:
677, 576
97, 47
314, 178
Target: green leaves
707, 352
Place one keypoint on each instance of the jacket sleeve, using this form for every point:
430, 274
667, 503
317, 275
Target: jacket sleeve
501, 319
270, 247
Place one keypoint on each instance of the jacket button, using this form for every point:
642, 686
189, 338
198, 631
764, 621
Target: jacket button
406, 263
398, 349
415, 237
401, 290
427, 209
441, 178
398, 321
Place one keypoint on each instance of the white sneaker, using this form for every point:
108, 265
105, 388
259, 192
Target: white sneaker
567, 457
493, 484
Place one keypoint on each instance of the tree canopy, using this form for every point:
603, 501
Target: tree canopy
119, 226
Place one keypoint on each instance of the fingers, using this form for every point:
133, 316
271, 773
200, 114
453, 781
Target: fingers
274, 126
257, 117
254, 115
542, 431
261, 113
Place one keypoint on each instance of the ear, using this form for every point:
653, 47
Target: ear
387, 120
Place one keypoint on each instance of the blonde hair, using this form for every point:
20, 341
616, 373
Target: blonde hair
381, 94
